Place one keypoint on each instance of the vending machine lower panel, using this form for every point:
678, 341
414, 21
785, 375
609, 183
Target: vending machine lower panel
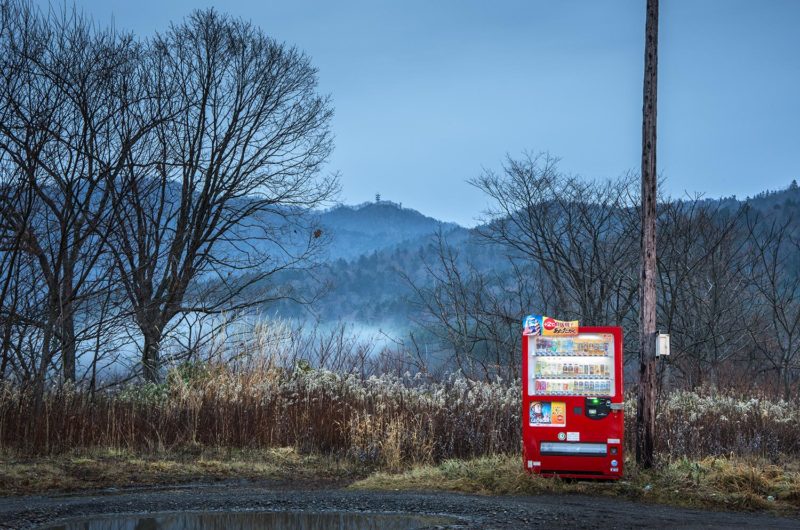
549, 453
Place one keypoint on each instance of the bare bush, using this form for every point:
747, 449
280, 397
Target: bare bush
386, 421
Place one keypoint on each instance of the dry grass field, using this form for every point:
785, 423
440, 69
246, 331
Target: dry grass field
216, 422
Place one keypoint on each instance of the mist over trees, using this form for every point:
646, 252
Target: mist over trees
145, 180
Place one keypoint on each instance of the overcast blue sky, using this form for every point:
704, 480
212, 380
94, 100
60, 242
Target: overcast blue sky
427, 93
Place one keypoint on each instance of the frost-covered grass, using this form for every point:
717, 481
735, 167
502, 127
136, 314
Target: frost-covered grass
709, 422
218, 421
385, 422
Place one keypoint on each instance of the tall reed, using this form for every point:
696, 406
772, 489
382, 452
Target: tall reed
386, 420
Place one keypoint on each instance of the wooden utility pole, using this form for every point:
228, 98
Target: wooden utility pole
645, 415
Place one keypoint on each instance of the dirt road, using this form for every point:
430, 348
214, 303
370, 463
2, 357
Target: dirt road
471, 510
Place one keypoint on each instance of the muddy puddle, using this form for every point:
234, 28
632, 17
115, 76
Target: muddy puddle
260, 521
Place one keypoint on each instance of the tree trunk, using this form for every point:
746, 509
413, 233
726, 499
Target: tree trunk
150, 352
5, 347
787, 380
645, 416
67, 342
66, 322
41, 372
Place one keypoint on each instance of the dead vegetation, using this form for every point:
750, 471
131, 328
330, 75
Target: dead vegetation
719, 483
86, 470
386, 421
210, 422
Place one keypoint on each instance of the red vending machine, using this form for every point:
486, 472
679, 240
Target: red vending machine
572, 417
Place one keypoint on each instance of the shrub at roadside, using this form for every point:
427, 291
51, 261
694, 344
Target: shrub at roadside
384, 421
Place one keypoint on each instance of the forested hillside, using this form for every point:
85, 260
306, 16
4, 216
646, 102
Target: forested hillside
376, 248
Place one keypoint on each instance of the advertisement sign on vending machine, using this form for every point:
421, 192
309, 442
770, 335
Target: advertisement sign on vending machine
572, 417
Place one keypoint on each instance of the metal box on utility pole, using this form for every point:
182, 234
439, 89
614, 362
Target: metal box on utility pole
662, 344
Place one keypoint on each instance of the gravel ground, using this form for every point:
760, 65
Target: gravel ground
472, 511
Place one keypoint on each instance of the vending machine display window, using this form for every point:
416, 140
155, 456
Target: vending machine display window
571, 366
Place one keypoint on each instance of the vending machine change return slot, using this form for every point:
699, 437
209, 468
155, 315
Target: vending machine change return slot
573, 449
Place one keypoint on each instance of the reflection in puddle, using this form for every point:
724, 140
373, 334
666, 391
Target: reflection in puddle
261, 520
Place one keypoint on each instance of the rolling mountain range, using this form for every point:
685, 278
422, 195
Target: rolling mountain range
376, 247
375, 244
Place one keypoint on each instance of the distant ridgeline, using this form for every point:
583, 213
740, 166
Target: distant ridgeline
375, 243
374, 226
372, 244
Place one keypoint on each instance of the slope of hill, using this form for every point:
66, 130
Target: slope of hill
372, 246
373, 226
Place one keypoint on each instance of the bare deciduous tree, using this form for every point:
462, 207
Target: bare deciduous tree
65, 96
216, 199
473, 313
703, 295
775, 249
580, 234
